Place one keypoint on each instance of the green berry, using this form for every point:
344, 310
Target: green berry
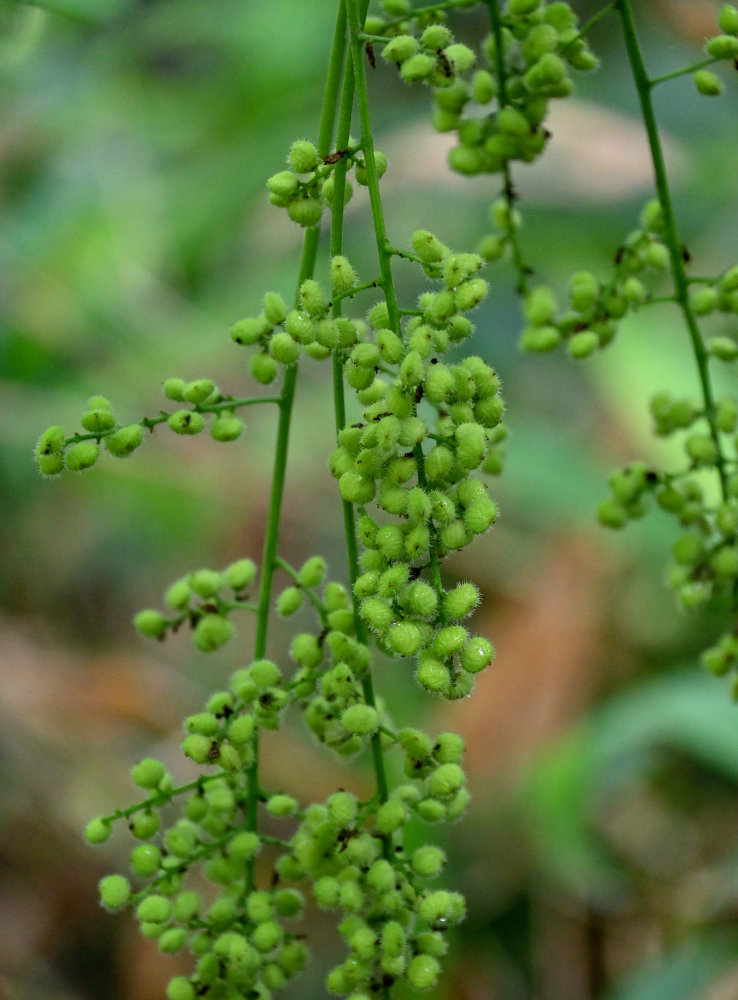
722, 47
423, 972
115, 892
404, 638
124, 441
302, 157
250, 330
186, 422
198, 391
724, 348
400, 48
148, 773
98, 419
708, 83
81, 456
180, 988
154, 909
227, 427
284, 349
306, 212
145, 860
583, 344
212, 632
360, 719
150, 623
477, 654
199, 748
728, 19
174, 388
98, 830
240, 574
263, 367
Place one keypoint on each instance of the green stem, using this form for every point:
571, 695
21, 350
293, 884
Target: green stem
644, 86
287, 396
339, 399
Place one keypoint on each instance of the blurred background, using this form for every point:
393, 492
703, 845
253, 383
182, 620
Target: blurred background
600, 854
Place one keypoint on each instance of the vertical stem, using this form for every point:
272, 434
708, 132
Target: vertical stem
644, 85
384, 249
349, 517
287, 397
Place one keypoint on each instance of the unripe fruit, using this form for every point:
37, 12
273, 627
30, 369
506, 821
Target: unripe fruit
380, 162
289, 601
540, 306
708, 83
240, 573
81, 456
98, 830
145, 860
174, 388
154, 909
469, 294
302, 157
728, 19
263, 367
124, 441
212, 631
360, 719
148, 773
461, 601
283, 348
115, 892
724, 348
404, 638
423, 972
435, 37
581, 345
250, 330
305, 212
477, 654
377, 613
418, 67
342, 274
400, 48
281, 805
227, 427
722, 47
199, 748
466, 160
98, 419
180, 988
198, 391
433, 675
312, 572
150, 623
186, 422
427, 861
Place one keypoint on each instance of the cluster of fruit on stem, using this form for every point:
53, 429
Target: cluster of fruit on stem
417, 426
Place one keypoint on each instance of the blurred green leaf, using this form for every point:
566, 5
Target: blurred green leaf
682, 974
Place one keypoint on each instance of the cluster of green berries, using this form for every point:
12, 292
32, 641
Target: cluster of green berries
703, 498
393, 924
283, 335
524, 67
55, 452
203, 600
308, 186
203, 396
597, 306
718, 48
240, 937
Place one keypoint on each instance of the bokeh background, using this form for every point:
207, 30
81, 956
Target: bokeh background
600, 856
